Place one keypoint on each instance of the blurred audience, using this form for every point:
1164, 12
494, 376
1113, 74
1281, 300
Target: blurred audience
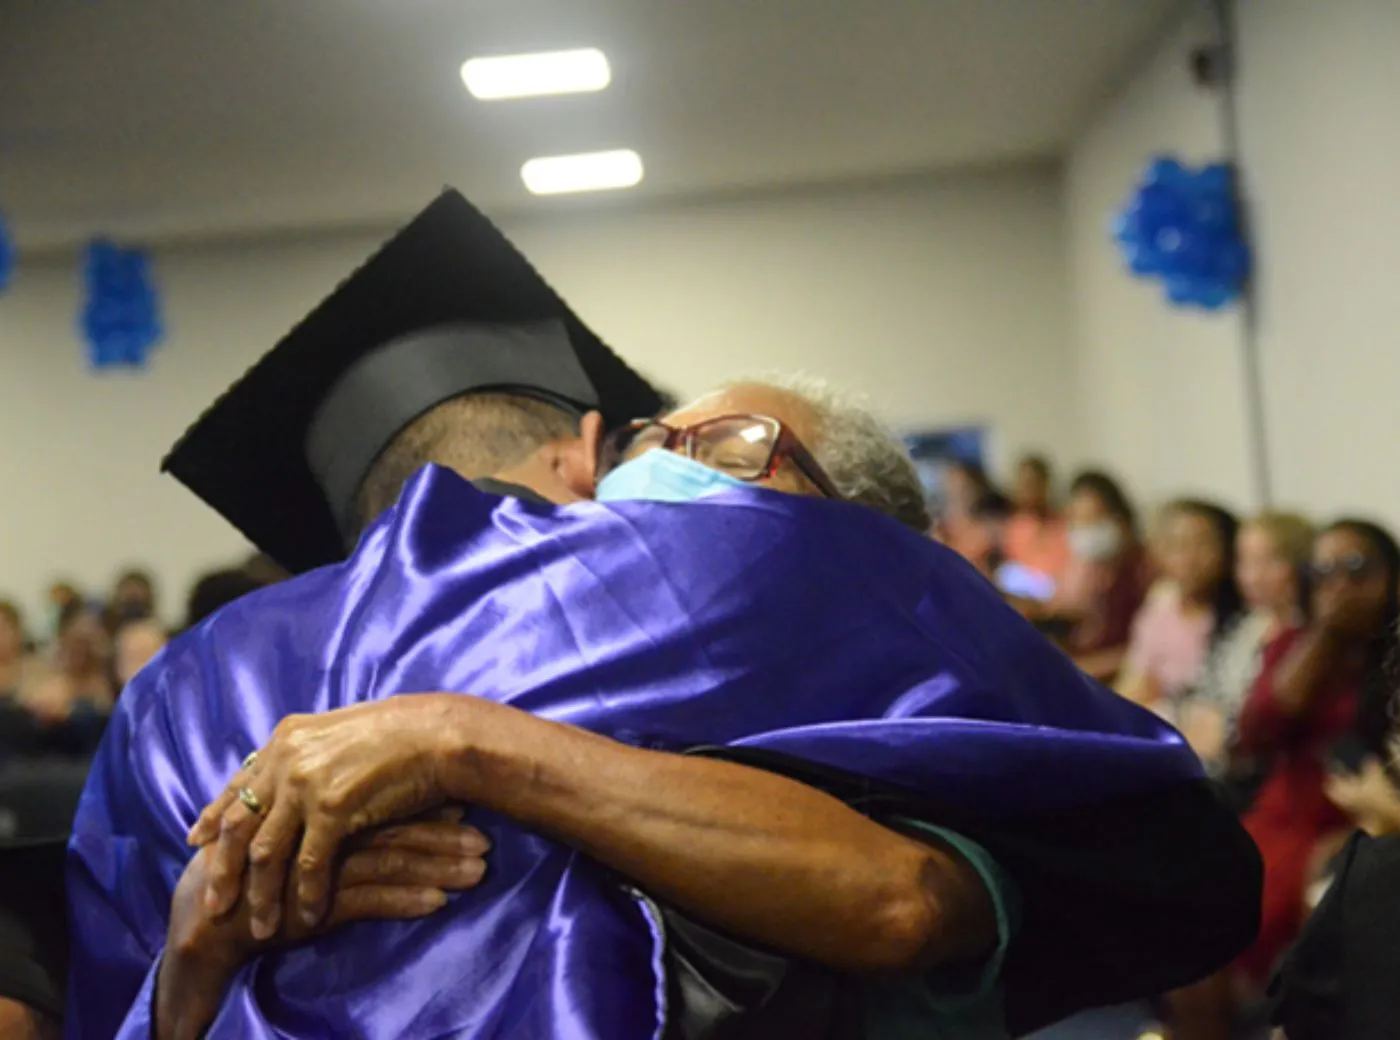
1179, 622
1035, 535
133, 599
984, 533
1322, 694
1272, 552
63, 595
964, 484
16, 664
135, 644
1105, 579
78, 677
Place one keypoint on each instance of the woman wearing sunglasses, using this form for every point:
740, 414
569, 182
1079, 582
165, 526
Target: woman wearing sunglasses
1320, 686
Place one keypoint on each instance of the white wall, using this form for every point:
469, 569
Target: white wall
1162, 390
942, 299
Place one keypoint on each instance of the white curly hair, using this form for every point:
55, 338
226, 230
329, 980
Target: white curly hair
864, 459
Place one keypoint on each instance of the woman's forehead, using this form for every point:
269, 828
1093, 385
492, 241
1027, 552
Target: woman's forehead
1339, 541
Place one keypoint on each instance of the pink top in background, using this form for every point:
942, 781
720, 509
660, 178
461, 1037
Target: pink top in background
1039, 544
1168, 645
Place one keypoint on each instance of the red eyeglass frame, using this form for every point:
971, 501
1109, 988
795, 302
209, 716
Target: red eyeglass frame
786, 444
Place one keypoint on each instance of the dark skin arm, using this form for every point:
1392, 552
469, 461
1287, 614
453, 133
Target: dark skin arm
764, 857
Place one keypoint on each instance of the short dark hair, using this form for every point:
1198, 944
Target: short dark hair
476, 435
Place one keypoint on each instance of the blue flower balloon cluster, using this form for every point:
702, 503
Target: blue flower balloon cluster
1182, 225
7, 256
121, 316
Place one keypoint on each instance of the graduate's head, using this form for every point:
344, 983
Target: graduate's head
794, 435
446, 346
549, 449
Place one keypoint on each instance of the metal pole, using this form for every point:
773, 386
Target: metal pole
1249, 311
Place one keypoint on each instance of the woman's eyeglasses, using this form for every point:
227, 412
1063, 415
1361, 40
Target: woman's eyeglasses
747, 447
1354, 567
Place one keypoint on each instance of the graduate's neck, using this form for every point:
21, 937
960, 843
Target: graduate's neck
537, 475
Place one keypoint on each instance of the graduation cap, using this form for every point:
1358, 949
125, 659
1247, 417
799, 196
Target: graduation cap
447, 307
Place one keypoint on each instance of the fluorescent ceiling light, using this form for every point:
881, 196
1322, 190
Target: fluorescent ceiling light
536, 75
595, 171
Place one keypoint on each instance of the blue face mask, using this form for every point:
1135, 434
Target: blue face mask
663, 476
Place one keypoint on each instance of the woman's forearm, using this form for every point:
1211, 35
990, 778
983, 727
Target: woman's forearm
764, 857
1303, 672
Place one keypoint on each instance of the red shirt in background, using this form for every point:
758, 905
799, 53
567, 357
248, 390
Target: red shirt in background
1291, 811
1106, 597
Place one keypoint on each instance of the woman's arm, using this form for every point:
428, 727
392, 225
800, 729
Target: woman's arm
766, 858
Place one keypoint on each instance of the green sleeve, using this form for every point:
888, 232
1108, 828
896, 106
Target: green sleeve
961, 1002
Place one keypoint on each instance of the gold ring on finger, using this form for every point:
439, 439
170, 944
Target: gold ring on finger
251, 760
250, 801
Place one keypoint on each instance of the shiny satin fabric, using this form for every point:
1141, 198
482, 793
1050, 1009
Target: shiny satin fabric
812, 628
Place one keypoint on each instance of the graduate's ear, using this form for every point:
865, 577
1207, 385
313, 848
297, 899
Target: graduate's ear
577, 461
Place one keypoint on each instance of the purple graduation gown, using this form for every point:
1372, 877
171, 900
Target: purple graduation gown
816, 629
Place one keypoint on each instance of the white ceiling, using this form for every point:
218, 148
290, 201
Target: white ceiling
159, 118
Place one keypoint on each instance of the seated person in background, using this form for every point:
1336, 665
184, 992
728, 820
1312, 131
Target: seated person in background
1035, 535
1317, 684
133, 599
135, 642
1272, 552
1175, 629
985, 531
752, 706
16, 664
63, 597
964, 483
79, 677
1105, 581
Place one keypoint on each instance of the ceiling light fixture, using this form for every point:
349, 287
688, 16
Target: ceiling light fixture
594, 171
537, 75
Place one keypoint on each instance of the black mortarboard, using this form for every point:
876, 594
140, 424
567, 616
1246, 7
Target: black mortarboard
447, 307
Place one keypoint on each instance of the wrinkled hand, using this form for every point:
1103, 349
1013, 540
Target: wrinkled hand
399, 872
320, 779
390, 873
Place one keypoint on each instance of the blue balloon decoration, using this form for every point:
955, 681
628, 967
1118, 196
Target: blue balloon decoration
121, 318
1182, 226
7, 256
